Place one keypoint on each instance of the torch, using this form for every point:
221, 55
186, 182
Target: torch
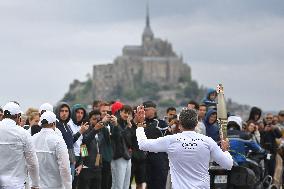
222, 112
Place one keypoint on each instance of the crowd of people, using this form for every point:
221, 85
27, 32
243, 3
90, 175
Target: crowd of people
73, 147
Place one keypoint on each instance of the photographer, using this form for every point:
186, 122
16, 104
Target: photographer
268, 142
172, 120
106, 145
89, 171
121, 143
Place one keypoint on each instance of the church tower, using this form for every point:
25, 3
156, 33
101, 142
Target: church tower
148, 35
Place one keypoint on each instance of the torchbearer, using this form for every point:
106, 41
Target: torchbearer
189, 152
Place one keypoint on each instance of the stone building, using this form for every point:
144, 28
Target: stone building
153, 61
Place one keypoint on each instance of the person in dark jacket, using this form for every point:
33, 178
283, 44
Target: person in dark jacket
157, 164
90, 170
268, 141
121, 143
210, 122
106, 146
63, 115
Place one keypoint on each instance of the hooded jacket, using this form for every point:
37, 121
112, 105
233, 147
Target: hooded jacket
207, 101
66, 131
75, 126
73, 114
240, 143
212, 130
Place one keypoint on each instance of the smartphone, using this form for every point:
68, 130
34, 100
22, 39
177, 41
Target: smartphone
109, 112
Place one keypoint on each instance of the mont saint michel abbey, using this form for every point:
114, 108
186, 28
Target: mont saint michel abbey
152, 61
151, 70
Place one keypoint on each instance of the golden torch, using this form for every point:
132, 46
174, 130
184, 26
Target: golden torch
222, 112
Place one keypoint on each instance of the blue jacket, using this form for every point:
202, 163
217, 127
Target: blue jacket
240, 143
212, 130
207, 101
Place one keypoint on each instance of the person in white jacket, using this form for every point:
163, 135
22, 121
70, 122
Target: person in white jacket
189, 152
17, 153
51, 150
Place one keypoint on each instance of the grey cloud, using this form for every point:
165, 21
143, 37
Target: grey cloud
46, 44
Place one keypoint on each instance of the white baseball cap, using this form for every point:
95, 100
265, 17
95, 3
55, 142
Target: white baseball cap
12, 108
236, 119
47, 117
46, 107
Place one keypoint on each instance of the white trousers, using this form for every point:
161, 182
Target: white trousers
121, 172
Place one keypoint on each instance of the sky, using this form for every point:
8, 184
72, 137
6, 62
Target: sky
46, 44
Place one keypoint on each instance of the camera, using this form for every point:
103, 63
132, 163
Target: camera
109, 112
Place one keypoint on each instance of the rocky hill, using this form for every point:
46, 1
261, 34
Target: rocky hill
150, 71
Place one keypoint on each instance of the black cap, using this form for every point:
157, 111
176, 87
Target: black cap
149, 104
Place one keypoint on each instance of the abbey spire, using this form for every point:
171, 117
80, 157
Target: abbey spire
148, 35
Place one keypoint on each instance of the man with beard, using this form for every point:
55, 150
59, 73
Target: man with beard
63, 115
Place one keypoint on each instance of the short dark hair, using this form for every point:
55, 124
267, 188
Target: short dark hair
126, 108
94, 112
188, 118
194, 103
171, 109
202, 104
1, 110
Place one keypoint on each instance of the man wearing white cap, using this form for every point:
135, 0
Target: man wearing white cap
17, 151
48, 107
51, 150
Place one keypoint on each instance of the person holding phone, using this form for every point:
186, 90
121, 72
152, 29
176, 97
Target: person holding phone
79, 125
106, 146
90, 169
121, 143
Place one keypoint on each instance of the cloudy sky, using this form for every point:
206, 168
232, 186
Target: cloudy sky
45, 45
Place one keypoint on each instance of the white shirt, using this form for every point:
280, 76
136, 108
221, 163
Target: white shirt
17, 154
75, 128
189, 155
54, 166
